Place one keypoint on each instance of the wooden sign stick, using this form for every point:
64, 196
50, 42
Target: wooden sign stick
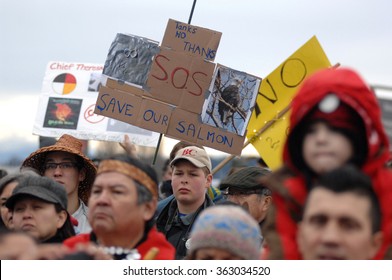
254, 137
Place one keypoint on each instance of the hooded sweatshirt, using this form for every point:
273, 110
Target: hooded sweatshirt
290, 183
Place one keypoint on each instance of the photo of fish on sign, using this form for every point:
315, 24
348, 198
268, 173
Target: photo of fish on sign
231, 100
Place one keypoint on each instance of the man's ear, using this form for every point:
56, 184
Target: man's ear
149, 209
377, 240
267, 202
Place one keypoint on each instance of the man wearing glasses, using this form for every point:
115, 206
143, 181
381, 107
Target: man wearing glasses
65, 163
243, 188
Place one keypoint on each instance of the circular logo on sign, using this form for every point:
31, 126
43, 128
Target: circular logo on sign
91, 117
64, 83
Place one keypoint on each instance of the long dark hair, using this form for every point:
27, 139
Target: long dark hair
67, 230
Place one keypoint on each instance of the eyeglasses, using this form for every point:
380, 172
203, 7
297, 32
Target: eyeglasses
62, 165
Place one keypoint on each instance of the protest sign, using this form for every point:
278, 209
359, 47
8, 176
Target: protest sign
193, 40
180, 79
67, 102
175, 90
275, 94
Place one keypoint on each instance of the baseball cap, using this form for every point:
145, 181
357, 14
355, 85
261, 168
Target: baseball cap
197, 156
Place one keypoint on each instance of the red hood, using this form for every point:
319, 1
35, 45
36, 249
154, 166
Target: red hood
352, 90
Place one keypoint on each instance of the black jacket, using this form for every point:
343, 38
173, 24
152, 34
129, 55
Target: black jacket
177, 229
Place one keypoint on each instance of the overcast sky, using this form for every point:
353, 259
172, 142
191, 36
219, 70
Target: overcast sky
257, 36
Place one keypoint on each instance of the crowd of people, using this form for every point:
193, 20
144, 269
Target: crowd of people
329, 200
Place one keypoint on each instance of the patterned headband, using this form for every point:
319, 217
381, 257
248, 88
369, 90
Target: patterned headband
129, 170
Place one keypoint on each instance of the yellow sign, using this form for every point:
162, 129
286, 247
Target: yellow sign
275, 94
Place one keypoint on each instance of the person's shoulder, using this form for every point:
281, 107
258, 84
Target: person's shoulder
155, 239
163, 203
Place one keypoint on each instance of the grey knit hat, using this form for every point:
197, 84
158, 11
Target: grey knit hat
39, 187
229, 228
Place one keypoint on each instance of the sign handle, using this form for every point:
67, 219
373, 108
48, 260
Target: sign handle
193, 8
160, 135
157, 149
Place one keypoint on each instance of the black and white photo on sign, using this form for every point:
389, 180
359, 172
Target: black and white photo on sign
232, 96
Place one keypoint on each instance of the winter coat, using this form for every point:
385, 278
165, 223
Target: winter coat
177, 229
290, 184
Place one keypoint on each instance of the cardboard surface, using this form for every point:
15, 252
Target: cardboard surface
121, 86
190, 39
177, 86
187, 126
119, 105
154, 115
180, 79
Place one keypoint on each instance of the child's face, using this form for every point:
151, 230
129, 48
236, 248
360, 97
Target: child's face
325, 149
189, 183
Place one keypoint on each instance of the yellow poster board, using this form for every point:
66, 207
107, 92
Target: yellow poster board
275, 94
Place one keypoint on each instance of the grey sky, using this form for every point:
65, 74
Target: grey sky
257, 36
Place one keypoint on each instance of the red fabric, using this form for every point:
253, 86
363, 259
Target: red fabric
343, 117
351, 89
154, 239
74, 221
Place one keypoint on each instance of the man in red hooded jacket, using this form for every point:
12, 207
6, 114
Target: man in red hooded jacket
335, 120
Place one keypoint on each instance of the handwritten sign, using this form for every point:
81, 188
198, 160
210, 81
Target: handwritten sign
67, 103
180, 79
275, 94
187, 126
166, 119
192, 40
171, 100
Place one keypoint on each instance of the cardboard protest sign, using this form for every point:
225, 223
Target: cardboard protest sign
171, 100
67, 103
275, 94
231, 100
193, 40
155, 115
121, 105
187, 126
180, 79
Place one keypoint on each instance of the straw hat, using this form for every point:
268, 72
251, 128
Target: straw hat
70, 144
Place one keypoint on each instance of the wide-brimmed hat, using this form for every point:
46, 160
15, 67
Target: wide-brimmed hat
69, 144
